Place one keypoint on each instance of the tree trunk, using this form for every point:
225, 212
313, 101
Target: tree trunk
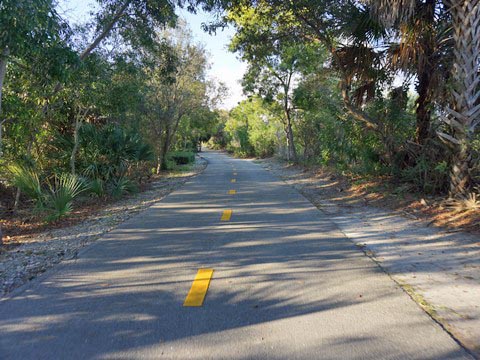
464, 112
291, 151
159, 164
76, 140
425, 74
460, 180
1, 137
3, 72
159, 157
162, 153
73, 155
165, 148
16, 204
423, 112
369, 122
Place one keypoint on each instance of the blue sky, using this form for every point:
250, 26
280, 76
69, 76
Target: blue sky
224, 65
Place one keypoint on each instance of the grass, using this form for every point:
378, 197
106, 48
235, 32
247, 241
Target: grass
420, 300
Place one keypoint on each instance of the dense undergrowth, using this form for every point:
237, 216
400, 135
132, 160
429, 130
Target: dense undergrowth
82, 120
331, 139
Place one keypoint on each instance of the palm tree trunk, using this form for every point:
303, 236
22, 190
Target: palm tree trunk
460, 180
423, 112
464, 112
425, 73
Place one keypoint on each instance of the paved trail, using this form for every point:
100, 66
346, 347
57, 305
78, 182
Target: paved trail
286, 285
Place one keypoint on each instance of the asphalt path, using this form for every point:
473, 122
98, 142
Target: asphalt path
287, 284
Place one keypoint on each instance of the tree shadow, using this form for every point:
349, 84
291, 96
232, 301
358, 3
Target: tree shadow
286, 285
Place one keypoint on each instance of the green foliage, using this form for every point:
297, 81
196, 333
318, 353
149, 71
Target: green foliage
109, 114
182, 157
59, 197
122, 186
28, 181
369, 125
52, 198
18, 19
425, 176
321, 74
110, 152
219, 138
96, 187
253, 127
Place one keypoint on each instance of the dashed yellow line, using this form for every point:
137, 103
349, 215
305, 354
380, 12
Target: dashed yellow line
232, 192
199, 288
233, 180
227, 215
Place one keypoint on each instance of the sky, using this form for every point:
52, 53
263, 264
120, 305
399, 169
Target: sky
224, 65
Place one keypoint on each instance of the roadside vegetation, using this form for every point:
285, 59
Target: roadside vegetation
384, 90
370, 89
90, 113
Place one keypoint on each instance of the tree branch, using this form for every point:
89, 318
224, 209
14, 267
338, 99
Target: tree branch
105, 31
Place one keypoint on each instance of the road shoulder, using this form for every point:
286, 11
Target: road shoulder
438, 269
39, 254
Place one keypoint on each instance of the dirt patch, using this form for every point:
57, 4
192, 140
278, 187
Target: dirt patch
382, 192
34, 246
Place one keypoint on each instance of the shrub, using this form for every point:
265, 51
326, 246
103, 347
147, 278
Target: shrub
28, 181
181, 157
59, 198
55, 199
96, 187
122, 186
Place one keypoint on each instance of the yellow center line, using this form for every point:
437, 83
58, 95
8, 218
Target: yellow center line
199, 288
233, 180
232, 192
226, 216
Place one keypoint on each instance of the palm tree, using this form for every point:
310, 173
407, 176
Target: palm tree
418, 52
463, 112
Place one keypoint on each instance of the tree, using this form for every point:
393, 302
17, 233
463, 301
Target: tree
17, 40
314, 24
274, 61
463, 113
184, 93
272, 77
